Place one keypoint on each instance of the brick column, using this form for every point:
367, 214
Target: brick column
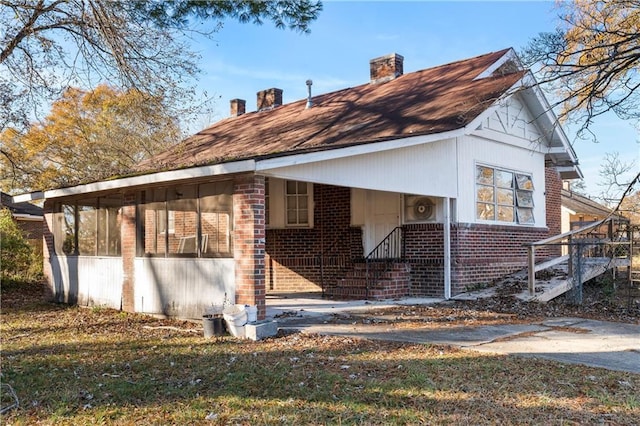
249, 241
553, 199
128, 246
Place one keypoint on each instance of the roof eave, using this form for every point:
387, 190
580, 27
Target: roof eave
142, 180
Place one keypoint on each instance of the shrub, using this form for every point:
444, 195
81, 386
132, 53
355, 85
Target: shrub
18, 259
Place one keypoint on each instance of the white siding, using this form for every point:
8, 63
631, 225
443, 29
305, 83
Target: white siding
427, 169
182, 287
88, 280
473, 150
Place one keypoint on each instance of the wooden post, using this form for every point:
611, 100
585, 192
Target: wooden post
570, 264
576, 290
532, 271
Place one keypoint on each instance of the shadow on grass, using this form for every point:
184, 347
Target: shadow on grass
80, 365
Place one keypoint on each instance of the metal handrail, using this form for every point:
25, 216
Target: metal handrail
390, 249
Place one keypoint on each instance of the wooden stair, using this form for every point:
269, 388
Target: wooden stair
554, 286
555, 282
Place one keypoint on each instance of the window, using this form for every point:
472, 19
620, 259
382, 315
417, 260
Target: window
182, 220
88, 227
64, 229
503, 196
297, 203
287, 204
187, 221
216, 205
155, 221
109, 218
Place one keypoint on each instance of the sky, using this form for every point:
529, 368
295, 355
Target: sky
243, 59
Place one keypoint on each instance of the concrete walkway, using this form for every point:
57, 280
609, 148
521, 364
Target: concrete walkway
614, 346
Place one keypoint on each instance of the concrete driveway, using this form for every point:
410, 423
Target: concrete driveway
614, 346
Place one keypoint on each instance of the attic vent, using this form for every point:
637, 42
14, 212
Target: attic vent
418, 208
386, 68
508, 67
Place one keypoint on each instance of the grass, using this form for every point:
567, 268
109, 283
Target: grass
79, 366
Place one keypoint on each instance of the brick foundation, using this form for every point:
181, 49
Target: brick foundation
483, 253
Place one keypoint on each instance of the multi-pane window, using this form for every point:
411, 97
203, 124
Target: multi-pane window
189, 220
297, 203
503, 196
88, 227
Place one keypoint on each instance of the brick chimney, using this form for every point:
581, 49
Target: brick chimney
238, 107
269, 98
386, 68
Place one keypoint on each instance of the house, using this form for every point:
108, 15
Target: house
424, 183
579, 211
28, 217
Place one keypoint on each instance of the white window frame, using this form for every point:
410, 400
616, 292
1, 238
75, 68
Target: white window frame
277, 211
297, 196
517, 193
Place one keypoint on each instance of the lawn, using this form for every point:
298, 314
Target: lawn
76, 366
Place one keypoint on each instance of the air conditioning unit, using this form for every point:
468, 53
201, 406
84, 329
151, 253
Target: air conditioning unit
418, 208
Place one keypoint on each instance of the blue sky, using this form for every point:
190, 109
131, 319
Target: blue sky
244, 58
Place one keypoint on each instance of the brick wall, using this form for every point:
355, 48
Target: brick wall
293, 255
249, 241
482, 253
424, 245
32, 229
553, 198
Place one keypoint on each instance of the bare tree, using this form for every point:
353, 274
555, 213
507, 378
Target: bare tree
591, 61
615, 174
47, 46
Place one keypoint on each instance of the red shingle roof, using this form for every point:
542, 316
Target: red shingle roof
424, 102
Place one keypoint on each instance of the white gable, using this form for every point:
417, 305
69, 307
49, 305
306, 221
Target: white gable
512, 117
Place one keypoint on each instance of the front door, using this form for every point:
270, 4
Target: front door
382, 215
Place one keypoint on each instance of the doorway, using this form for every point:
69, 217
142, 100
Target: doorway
382, 215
